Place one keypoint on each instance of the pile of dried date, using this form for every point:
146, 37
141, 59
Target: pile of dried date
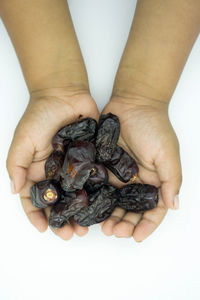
76, 182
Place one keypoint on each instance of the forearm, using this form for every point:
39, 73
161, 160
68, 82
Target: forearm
45, 42
160, 40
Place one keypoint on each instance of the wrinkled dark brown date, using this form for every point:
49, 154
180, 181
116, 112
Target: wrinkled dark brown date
59, 144
77, 165
77, 177
137, 197
122, 165
70, 205
81, 151
107, 136
53, 165
45, 193
83, 130
98, 177
102, 203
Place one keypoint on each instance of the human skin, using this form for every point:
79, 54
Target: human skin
45, 42
160, 40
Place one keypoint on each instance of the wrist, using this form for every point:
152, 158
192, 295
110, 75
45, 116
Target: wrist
138, 98
61, 105
131, 84
71, 78
64, 93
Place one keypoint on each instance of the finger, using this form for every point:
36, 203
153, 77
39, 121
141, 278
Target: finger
170, 175
150, 221
126, 226
79, 230
19, 158
113, 180
116, 216
35, 215
36, 171
66, 232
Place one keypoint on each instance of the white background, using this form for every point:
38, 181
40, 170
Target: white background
41, 266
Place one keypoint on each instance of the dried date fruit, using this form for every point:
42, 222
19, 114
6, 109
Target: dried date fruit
102, 204
98, 177
77, 177
107, 136
82, 130
81, 151
77, 165
45, 193
137, 197
122, 165
59, 143
53, 165
70, 205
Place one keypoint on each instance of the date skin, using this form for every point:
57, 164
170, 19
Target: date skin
82, 130
101, 205
78, 163
70, 204
122, 165
45, 193
107, 136
98, 178
137, 197
53, 165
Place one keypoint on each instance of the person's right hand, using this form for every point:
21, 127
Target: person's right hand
46, 113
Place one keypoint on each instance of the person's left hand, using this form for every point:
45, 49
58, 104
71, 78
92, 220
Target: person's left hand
147, 135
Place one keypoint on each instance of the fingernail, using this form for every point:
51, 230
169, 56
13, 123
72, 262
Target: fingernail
176, 202
12, 187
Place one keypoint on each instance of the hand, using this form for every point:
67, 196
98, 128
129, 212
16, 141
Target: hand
147, 135
47, 112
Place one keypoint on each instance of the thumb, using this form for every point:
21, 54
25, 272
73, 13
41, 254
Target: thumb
19, 158
170, 175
